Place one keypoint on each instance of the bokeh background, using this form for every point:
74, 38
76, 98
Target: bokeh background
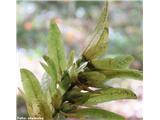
76, 19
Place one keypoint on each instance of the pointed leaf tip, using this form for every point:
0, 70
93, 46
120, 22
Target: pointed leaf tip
98, 39
56, 47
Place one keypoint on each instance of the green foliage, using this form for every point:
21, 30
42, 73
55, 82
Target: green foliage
35, 99
56, 48
119, 62
99, 96
110, 94
122, 74
71, 58
93, 78
61, 94
95, 114
98, 43
52, 72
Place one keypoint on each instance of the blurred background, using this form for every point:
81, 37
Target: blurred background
76, 19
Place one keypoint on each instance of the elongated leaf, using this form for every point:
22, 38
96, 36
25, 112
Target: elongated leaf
31, 85
45, 82
116, 73
99, 48
46, 87
119, 62
110, 94
71, 58
98, 42
36, 103
99, 27
98, 78
95, 114
73, 72
27, 102
51, 67
56, 47
52, 72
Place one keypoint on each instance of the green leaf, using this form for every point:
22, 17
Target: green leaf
98, 42
52, 72
57, 100
46, 68
71, 58
45, 82
98, 48
46, 87
56, 47
119, 62
59, 116
37, 105
95, 114
73, 72
110, 94
72, 94
68, 107
93, 79
76, 96
65, 83
28, 103
116, 73
31, 85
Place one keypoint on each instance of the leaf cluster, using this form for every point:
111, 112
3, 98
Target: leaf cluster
72, 88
